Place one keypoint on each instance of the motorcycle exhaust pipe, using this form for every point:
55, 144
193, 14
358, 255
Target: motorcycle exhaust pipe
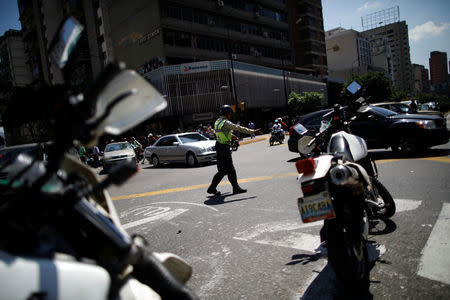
342, 175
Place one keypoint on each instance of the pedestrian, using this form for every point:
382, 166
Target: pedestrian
96, 156
251, 125
82, 153
224, 129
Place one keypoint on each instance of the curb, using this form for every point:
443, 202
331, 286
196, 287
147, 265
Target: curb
255, 140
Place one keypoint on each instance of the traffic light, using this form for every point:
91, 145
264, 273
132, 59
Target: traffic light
242, 106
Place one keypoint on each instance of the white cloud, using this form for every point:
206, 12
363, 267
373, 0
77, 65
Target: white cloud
428, 29
369, 5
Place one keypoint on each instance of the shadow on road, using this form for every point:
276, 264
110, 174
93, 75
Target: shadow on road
388, 154
176, 166
220, 199
326, 286
380, 154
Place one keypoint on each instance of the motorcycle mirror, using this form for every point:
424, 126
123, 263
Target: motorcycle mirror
125, 101
64, 41
353, 87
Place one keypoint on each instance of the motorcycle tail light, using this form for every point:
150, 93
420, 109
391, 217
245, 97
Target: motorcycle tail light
306, 166
291, 129
306, 189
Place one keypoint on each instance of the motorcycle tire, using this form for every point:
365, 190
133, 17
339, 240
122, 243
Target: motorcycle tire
348, 255
234, 147
388, 210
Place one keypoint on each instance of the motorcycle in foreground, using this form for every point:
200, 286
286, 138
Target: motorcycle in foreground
333, 189
276, 135
61, 236
334, 133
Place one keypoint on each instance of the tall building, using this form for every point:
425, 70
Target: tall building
396, 35
308, 37
421, 80
350, 53
14, 70
438, 67
40, 21
147, 34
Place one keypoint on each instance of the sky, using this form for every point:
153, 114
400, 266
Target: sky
428, 21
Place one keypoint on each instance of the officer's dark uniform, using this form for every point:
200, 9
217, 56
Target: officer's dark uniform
223, 129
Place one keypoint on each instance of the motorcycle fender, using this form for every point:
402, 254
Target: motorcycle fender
323, 164
36, 278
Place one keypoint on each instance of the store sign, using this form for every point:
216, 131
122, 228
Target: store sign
195, 67
203, 116
149, 36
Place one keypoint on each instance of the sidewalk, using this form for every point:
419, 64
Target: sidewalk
258, 138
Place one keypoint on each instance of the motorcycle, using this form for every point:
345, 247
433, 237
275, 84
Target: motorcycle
234, 144
333, 189
277, 135
61, 235
379, 203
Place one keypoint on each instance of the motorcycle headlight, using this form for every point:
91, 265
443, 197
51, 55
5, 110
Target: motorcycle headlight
427, 124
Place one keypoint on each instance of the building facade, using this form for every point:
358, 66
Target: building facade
308, 36
195, 91
40, 21
421, 80
14, 71
396, 35
438, 67
350, 53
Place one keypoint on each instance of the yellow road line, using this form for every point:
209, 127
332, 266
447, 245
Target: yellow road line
201, 186
252, 179
438, 159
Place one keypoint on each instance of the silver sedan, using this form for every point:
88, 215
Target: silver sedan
190, 148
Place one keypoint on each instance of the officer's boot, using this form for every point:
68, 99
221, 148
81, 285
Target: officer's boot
232, 177
212, 188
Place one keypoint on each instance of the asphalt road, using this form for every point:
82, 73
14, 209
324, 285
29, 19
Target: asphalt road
254, 245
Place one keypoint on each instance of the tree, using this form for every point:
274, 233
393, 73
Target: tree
375, 88
302, 104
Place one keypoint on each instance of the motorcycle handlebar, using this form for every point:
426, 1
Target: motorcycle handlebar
150, 271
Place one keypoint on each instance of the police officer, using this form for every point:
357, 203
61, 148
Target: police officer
223, 129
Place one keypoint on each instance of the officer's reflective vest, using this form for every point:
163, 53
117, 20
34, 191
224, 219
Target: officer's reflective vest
223, 136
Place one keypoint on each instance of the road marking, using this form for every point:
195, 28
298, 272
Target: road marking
156, 214
188, 203
435, 261
246, 180
301, 241
201, 186
435, 158
438, 159
406, 204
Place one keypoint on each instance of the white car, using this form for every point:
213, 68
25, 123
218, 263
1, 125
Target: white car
191, 148
116, 153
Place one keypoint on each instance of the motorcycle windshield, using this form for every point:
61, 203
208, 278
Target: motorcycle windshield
300, 129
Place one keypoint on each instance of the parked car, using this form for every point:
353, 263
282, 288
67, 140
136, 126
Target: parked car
116, 153
190, 148
404, 108
382, 128
310, 121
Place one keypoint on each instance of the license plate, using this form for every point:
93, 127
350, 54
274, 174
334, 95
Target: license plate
316, 207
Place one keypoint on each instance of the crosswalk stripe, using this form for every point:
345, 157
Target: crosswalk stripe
435, 261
